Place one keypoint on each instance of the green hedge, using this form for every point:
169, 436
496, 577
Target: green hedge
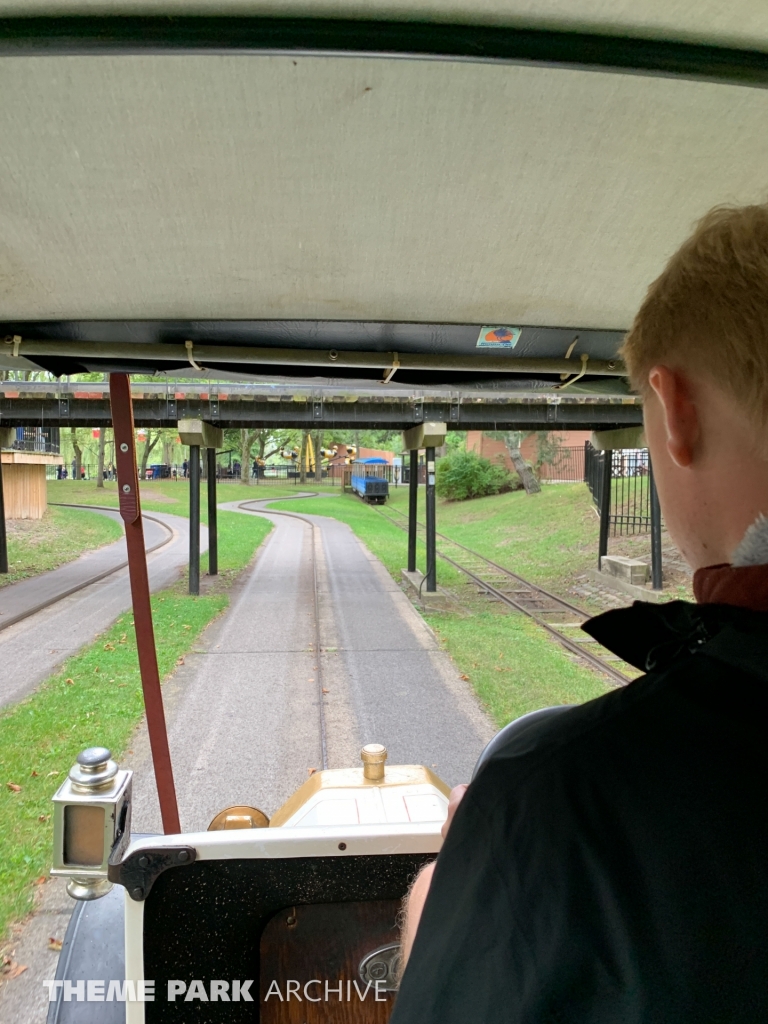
463, 475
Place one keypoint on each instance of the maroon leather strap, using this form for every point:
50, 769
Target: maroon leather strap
130, 510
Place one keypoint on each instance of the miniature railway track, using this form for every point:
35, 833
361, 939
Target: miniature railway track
97, 577
560, 618
247, 506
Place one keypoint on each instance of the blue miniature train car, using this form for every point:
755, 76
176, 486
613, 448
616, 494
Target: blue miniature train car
370, 480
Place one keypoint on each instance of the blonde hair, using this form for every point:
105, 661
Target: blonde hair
708, 310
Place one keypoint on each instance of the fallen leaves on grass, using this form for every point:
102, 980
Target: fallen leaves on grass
14, 787
109, 647
40, 881
465, 677
70, 682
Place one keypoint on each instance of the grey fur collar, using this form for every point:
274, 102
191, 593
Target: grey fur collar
753, 549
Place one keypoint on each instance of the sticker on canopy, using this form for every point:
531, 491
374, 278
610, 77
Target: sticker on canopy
498, 337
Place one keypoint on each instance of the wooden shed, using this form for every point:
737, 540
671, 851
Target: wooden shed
24, 483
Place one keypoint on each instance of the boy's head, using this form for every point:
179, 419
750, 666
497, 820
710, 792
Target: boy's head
698, 353
707, 313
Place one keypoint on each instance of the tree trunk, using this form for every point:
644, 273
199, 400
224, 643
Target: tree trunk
78, 452
247, 438
529, 481
318, 460
149, 444
102, 449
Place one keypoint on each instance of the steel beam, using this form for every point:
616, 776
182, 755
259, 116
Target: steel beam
130, 511
213, 526
605, 504
3, 535
431, 586
563, 47
656, 566
194, 519
531, 413
413, 508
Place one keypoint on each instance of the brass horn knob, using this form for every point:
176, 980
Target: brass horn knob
373, 756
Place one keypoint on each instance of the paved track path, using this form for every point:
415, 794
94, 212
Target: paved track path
32, 649
244, 710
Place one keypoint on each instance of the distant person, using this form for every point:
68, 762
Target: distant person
185, 468
609, 865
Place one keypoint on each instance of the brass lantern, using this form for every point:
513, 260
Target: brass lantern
91, 820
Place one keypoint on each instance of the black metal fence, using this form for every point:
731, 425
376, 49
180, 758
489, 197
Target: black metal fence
565, 467
630, 511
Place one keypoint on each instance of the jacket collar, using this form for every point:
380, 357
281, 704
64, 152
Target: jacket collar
743, 586
651, 636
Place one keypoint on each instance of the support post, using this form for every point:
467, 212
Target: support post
605, 504
413, 505
213, 530
194, 519
130, 512
431, 546
3, 534
656, 567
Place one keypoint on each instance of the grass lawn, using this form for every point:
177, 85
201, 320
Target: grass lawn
37, 545
172, 495
513, 665
94, 700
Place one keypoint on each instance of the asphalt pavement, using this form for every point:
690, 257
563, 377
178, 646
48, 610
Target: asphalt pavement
30, 650
244, 710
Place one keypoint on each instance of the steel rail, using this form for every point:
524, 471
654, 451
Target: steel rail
49, 602
594, 660
316, 601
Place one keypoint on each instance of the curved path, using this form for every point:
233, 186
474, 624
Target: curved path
30, 650
243, 711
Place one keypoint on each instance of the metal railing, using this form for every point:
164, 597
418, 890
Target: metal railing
37, 439
630, 509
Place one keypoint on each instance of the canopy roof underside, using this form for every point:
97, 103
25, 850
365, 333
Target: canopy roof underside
258, 200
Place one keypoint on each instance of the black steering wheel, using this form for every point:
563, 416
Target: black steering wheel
516, 729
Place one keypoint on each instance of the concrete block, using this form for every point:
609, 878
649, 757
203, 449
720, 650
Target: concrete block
630, 569
436, 601
200, 433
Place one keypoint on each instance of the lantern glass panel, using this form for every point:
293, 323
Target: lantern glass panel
83, 835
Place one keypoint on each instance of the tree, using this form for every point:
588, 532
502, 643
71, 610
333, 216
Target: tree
78, 451
318, 460
149, 444
247, 440
102, 449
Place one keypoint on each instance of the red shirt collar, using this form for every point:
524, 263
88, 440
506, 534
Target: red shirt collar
742, 586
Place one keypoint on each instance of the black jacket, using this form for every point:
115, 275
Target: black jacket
611, 863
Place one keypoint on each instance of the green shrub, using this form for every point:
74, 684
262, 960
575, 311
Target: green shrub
462, 475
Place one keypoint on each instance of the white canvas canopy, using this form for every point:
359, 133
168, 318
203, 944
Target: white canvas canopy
207, 187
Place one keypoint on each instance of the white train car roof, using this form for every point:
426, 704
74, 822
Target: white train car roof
356, 190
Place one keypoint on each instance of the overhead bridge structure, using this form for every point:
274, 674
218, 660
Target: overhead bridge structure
252, 405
